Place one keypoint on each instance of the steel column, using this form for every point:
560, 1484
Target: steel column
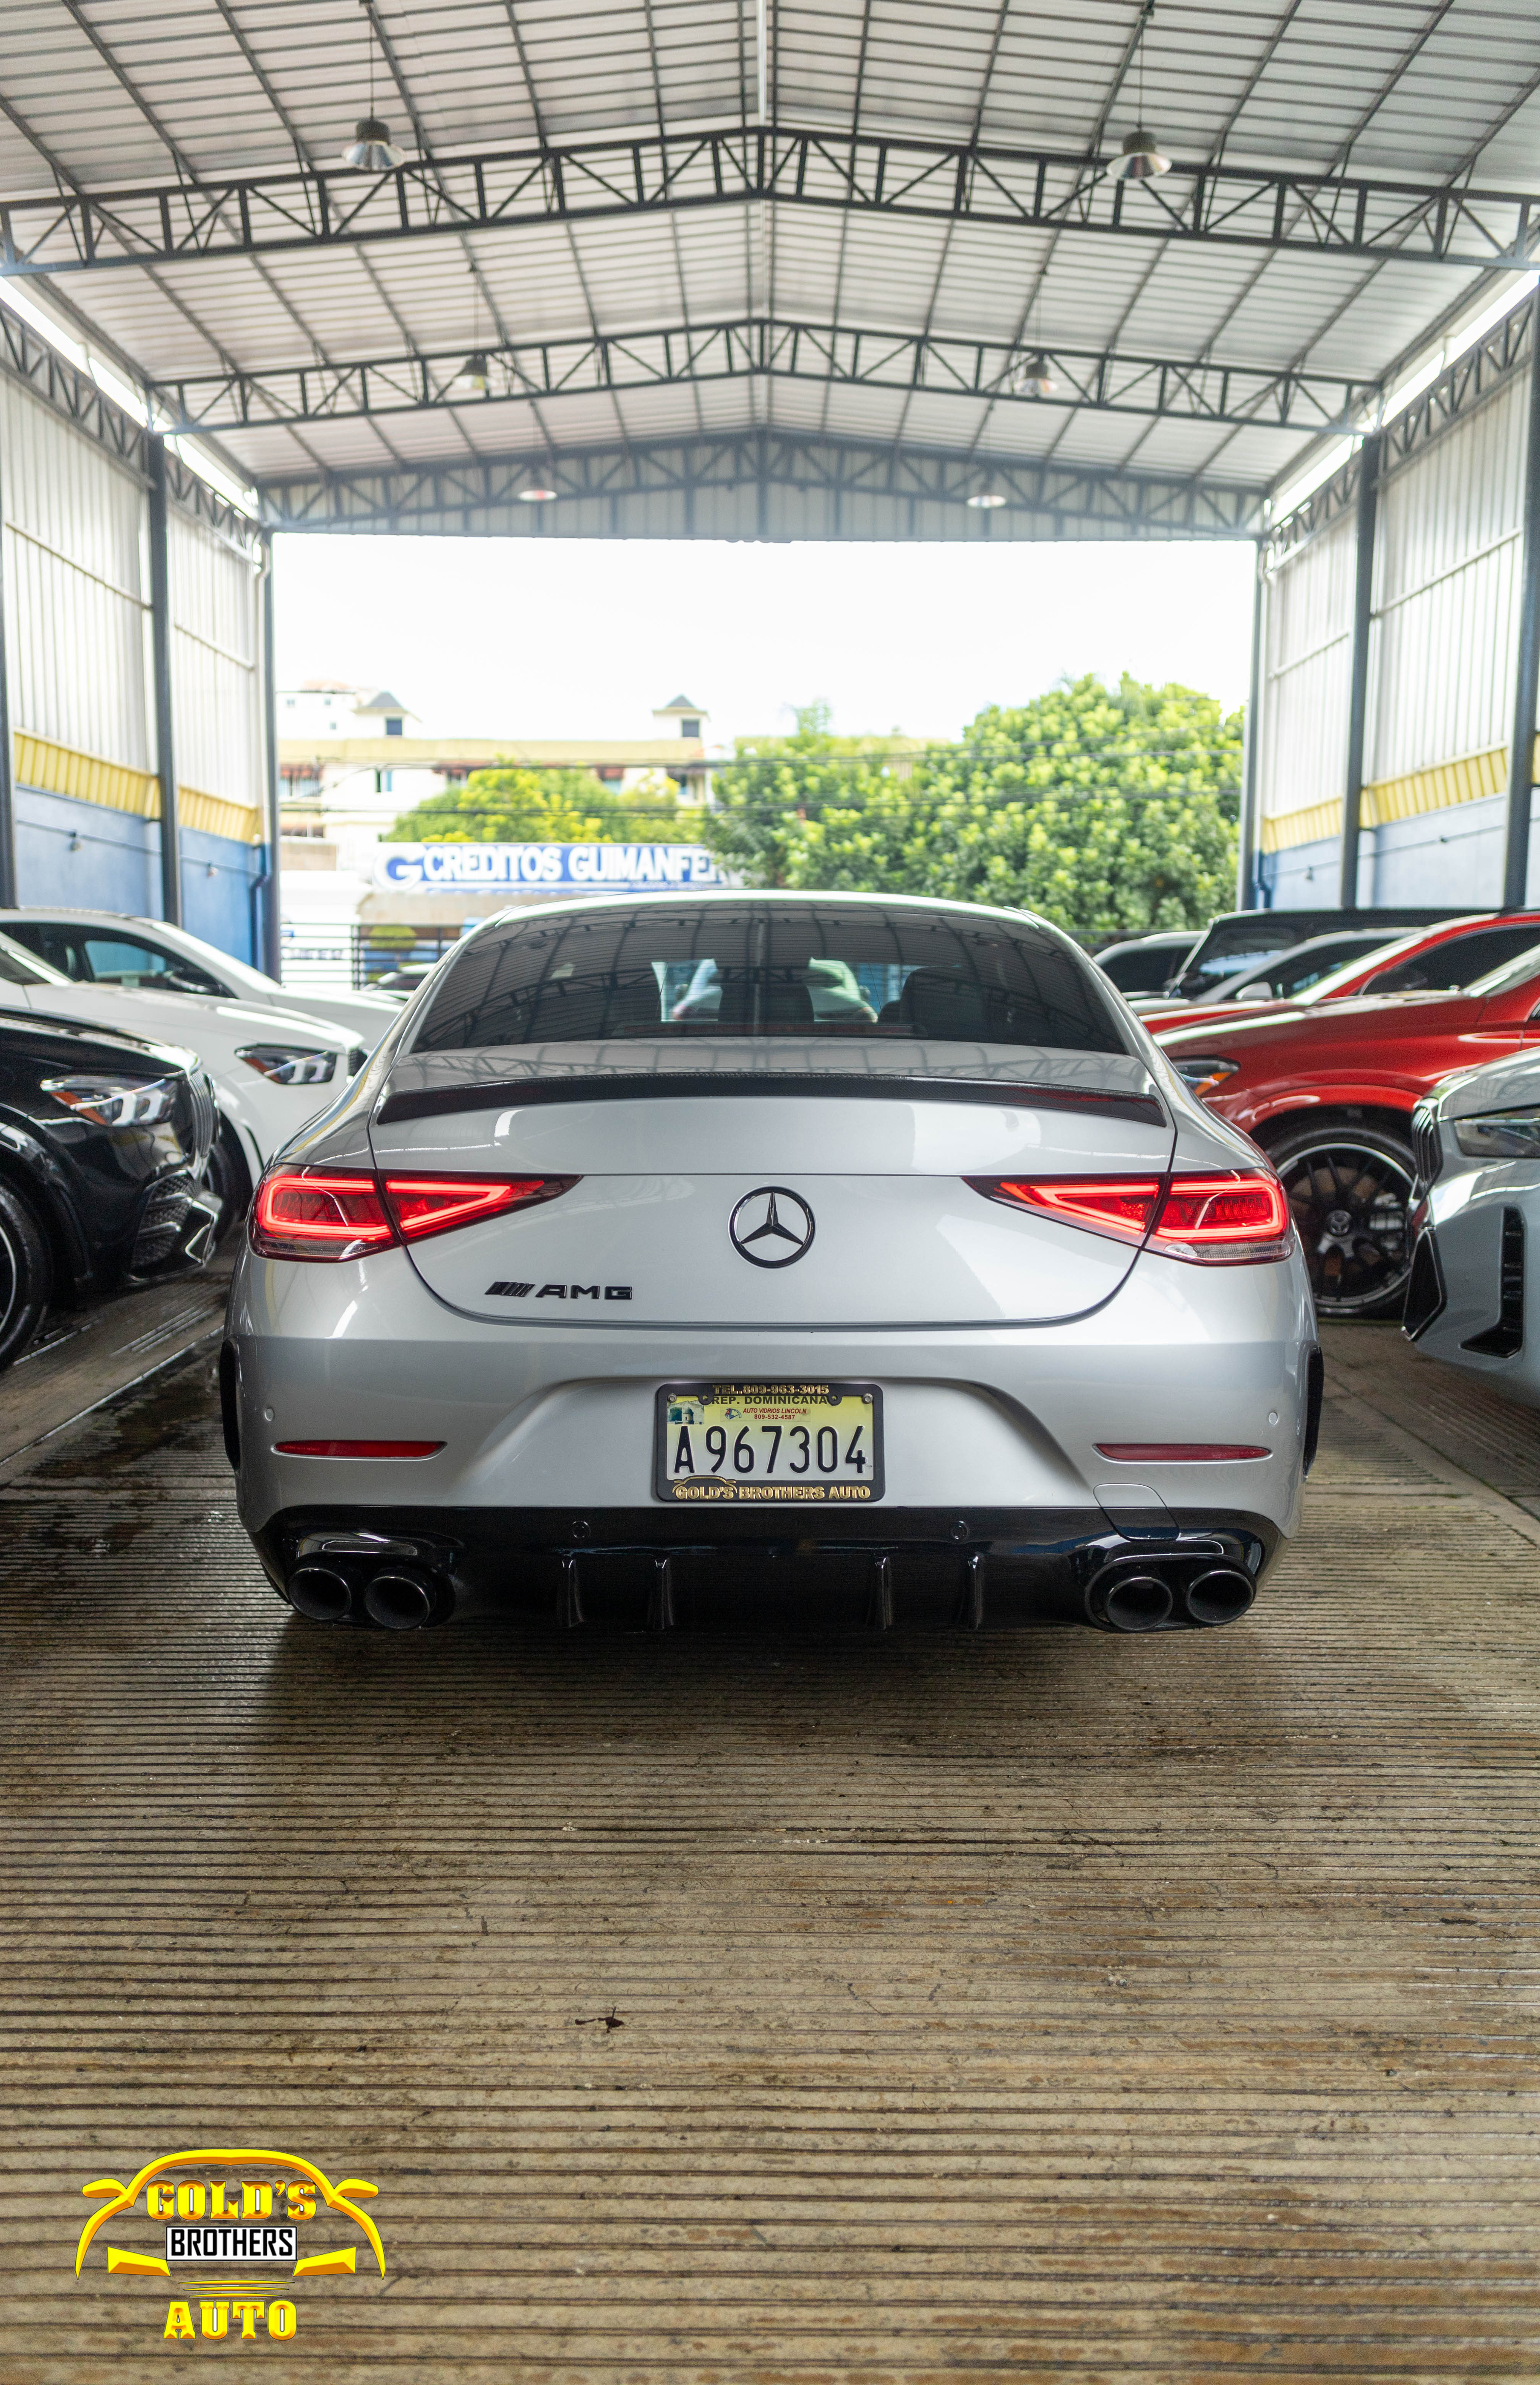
272, 957
1520, 767
7, 777
160, 641
1358, 701
1246, 865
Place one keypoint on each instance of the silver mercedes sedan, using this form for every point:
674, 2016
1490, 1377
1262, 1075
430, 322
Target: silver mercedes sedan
880, 1272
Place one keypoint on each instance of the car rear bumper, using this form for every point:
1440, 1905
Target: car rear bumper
633, 1568
543, 1488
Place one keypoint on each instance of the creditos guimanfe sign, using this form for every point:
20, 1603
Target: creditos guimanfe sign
513, 869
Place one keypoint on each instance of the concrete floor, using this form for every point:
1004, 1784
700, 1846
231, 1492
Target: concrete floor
1038, 2005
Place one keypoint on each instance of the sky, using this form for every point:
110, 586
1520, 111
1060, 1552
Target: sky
583, 637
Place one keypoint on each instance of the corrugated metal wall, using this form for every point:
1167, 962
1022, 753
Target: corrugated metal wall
1448, 548
77, 587
1307, 655
1442, 658
215, 669
78, 642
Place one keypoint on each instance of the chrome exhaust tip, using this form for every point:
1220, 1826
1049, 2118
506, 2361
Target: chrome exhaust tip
319, 1592
1220, 1594
1129, 1600
401, 1600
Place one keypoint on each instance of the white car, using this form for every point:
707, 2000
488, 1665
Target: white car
1475, 1208
958, 1311
273, 1070
114, 948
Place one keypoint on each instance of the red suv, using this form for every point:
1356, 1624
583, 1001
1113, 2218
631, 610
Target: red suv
1328, 1094
1429, 959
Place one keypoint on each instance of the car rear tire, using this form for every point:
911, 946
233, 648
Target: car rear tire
227, 1178
26, 1275
1348, 1186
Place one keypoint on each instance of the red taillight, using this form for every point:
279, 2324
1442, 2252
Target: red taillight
300, 1214
303, 1213
1207, 1219
1212, 1211
358, 1448
1115, 1204
431, 1204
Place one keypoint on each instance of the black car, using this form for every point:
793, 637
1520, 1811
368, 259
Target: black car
1244, 939
103, 1141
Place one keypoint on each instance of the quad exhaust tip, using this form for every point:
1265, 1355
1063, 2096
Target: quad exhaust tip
1156, 1594
395, 1597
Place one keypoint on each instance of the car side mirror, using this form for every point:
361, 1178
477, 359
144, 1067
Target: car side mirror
1255, 993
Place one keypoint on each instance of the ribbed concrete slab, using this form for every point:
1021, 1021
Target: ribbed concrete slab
1041, 2005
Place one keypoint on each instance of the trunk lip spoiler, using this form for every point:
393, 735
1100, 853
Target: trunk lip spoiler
439, 1101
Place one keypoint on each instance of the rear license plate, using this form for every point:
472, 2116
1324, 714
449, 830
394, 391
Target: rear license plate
791, 1444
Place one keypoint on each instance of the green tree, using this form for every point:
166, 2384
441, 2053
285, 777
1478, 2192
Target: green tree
779, 789
513, 806
1106, 810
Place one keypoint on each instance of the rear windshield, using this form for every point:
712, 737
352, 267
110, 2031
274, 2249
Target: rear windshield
714, 970
1143, 968
1226, 952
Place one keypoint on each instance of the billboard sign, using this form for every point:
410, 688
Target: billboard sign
546, 868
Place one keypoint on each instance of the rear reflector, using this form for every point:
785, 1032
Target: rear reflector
303, 1213
1209, 1219
1177, 1452
358, 1448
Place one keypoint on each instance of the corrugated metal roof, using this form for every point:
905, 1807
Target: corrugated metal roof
103, 94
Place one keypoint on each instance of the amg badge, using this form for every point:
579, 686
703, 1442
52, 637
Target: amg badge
557, 1291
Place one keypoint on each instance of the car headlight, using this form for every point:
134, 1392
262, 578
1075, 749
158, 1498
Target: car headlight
1202, 1073
285, 1064
1500, 1134
116, 1101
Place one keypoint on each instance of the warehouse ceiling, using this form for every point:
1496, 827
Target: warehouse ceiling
710, 245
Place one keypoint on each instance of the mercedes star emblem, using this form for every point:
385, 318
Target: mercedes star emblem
772, 1227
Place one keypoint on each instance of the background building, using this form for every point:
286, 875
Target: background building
350, 761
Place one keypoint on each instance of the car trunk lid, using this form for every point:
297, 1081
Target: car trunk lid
867, 1147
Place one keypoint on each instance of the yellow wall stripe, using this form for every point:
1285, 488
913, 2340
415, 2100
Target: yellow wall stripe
119, 787
1437, 789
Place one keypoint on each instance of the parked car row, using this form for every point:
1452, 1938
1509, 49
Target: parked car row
1397, 1094
146, 1080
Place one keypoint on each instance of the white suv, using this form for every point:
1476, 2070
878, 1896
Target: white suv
114, 948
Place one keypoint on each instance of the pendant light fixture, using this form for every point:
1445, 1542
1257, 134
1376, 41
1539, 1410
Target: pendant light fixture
1030, 376
1141, 159
985, 500
474, 373
371, 148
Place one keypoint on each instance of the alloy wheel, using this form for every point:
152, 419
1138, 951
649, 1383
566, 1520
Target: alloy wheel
1349, 1199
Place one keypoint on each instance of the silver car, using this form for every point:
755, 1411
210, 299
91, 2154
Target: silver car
1476, 1206
957, 1311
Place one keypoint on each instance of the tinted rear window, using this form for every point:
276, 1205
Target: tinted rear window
1458, 962
1143, 968
718, 969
